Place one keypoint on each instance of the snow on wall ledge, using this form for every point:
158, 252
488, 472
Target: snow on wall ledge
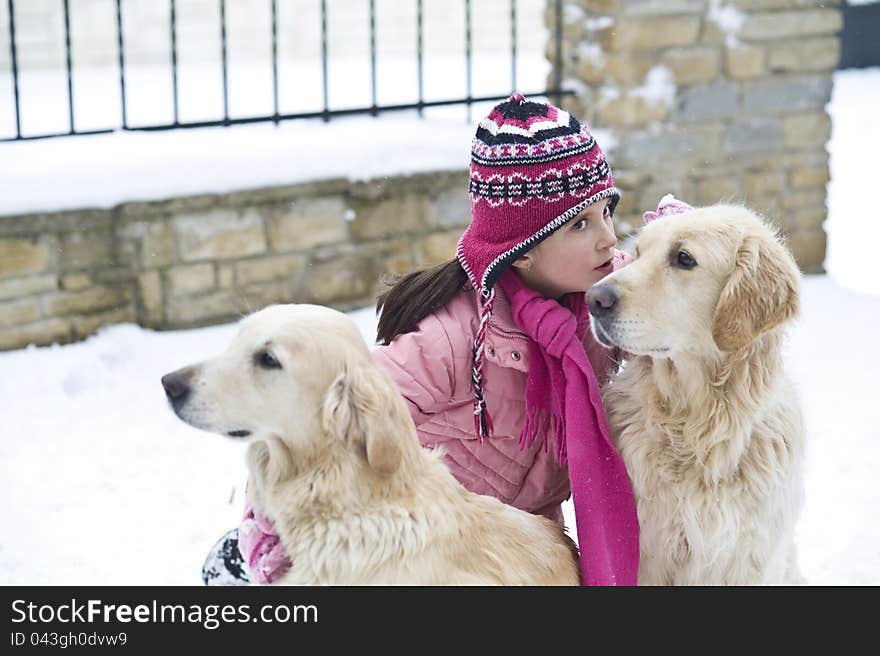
102, 171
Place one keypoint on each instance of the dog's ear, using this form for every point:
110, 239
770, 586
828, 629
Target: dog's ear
761, 293
362, 410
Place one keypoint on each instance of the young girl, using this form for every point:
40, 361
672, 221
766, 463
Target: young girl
492, 351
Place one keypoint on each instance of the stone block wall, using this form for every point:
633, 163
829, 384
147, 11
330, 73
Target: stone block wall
196, 261
712, 100
708, 99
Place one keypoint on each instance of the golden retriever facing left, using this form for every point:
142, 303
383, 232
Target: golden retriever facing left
704, 417
335, 462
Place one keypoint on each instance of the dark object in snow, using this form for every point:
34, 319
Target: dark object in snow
859, 45
224, 564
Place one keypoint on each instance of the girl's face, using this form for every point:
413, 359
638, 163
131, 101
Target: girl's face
575, 257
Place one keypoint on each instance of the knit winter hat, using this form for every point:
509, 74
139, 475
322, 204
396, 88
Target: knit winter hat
533, 168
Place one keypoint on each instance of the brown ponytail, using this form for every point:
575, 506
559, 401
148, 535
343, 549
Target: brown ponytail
414, 296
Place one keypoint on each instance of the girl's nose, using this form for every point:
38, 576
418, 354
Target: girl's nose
608, 239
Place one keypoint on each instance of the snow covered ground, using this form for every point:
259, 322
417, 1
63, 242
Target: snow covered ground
104, 485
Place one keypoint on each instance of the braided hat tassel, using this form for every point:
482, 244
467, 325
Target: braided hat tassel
482, 421
533, 168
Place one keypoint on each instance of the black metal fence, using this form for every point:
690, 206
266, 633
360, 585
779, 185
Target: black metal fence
326, 112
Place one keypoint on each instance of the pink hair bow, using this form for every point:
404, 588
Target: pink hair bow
669, 204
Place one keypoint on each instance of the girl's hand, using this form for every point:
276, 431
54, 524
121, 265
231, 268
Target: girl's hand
669, 204
620, 259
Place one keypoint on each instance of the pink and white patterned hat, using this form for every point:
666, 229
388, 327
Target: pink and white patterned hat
533, 168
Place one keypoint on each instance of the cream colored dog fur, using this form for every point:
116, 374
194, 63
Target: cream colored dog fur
707, 422
335, 462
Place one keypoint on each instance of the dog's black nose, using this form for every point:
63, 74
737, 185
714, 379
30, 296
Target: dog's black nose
176, 386
602, 299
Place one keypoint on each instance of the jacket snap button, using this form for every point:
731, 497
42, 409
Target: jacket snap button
515, 355
491, 351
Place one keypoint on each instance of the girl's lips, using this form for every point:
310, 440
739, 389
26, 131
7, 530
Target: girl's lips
606, 267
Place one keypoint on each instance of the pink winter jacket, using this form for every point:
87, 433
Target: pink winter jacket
431, 367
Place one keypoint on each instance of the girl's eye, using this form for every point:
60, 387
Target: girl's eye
266, 360
607, 213
579, 225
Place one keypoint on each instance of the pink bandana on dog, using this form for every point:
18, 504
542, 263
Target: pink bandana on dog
260, 546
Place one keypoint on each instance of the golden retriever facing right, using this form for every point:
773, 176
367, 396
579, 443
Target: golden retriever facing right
704, 417
335, 462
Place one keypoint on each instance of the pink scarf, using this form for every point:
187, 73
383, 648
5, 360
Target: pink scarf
562, 395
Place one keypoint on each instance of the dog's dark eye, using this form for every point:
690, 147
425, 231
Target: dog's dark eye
685, 260
266, 360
